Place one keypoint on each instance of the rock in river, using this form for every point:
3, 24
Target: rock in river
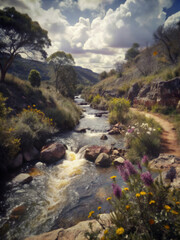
103, 160
92, 152
52, 152
22, 178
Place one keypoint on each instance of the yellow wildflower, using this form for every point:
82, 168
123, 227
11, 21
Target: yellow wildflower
177, 203
167, 207
34, 105
127, 207
174, 212
138, 195
99, 208
151, 221
151, 202
103, 238
29, 106
150, 193
167, 227
113, 177
120, 231
90, 214
126, 189
143, 193
106, 231
155, 53
109, 198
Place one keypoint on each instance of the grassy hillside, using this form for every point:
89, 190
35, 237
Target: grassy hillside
85, 76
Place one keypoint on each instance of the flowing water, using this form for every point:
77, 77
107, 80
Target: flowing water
62, 194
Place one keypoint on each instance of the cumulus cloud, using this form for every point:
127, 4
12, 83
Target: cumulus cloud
173, 19
92, 4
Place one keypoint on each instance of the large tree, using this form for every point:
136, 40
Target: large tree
61, 64
19, 34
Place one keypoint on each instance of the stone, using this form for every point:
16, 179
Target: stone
22, 178
104, 137
17, 162
103, 160
30, 155
118, 161
52, 152
92, 152
82, 130
17, 212
115, 152
75, 232
133, 92
165, 93
98, 114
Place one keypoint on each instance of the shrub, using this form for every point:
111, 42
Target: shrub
143, 139
9, 145
34, 78
162, 109
144, 209
32, 127
119, 108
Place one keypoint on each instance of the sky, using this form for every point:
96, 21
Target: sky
98, 32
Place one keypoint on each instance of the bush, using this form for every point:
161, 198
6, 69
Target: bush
144, 209
118, 108
34, 78
162, 109
32, 127
99, 102
143, 139
9, 145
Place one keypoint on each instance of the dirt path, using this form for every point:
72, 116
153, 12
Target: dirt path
169, 139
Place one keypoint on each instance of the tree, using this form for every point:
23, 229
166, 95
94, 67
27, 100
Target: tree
34, 78
61, 64
132, 52
103, 75
168, 39
19, 34
119, 68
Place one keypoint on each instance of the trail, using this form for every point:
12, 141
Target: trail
169, 142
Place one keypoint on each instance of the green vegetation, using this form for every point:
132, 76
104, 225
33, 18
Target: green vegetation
143, 209
142, 138
34, 78
19, 34
118, 110
132, 52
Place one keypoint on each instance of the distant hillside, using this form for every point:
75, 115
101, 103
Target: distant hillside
21, 68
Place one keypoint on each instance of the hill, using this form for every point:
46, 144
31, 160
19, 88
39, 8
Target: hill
85, 76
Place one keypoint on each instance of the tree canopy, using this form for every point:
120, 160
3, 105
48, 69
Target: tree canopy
34, 78
132, 52
65, 76
19, 34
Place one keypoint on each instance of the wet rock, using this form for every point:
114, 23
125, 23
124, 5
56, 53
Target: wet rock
82, 130
118, 161
52, 153
103, 160
116, 129
30, 155
17, 212
98, 114
76, 232
115, 152
22, 178
35, 172
104, 137
17, 162
92, 152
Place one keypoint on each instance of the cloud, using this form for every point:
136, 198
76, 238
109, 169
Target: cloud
68, 4
92, 4
173, 19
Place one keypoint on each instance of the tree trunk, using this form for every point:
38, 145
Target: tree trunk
3, 74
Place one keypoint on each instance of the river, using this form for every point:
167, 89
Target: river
64, 193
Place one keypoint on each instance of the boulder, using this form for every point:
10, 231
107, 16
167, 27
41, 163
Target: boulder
133, 92
92, 152
81, 130
52, 153
98, 114
22, 178
17, 162
165, 93
76, 232
104, 137
30, 155
103, 160
118, 161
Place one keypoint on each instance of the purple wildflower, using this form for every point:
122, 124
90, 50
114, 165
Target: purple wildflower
123, 173
171, 174
130, 168
147, 178
116, 190
139, 166
145, 159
